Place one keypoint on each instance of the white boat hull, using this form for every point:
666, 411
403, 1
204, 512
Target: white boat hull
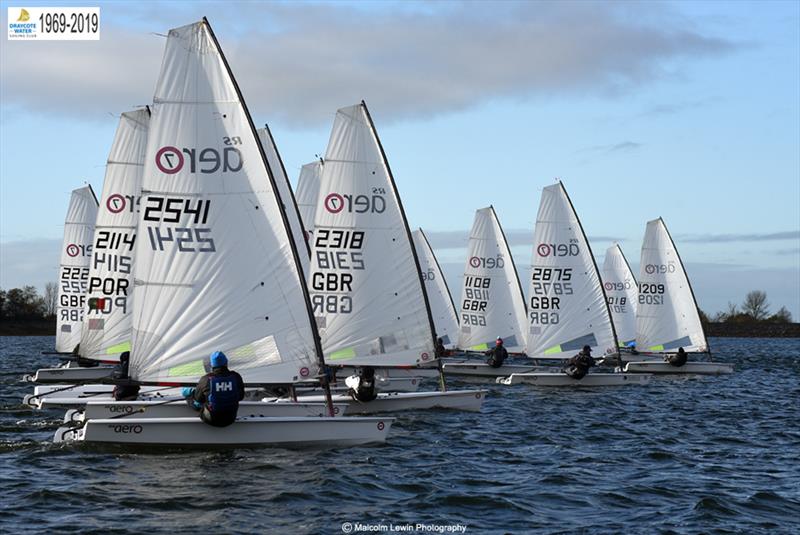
563, 380
95, 410
246, 431
394, 373
690, 368
481, 369
70, 375
46, 397
461, 400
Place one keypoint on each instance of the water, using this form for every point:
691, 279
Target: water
713, 455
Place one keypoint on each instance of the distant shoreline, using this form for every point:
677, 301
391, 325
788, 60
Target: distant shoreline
725, 330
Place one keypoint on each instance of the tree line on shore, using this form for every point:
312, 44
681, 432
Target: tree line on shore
25, 304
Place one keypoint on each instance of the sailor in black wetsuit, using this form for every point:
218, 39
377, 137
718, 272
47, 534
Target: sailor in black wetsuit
440, 350
578, 366
678, 359
218, 393
361, 385
498, 355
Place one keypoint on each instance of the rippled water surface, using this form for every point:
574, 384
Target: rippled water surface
713, 455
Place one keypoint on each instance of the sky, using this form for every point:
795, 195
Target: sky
688, 111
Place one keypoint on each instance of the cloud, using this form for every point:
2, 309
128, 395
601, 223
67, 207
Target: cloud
458, 239
724, 238
788, 252
625, 146
297, 63
678, 107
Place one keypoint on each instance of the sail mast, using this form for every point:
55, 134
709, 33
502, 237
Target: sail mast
405, 221
441, 273
594, 263
689, 282
285, 219
511, 258
289, 188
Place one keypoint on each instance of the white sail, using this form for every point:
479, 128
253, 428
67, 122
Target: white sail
216, 268
443, 310
666, 315
106, 331
286, 194
73, 269
622, 294
308, 193
366, 289
492, 303
566, 302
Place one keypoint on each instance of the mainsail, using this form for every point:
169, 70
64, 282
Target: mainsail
286, 194
442, 308
622, 294
308, 193
73, 269
566, 301
106, 331
666, 316
216, 268
366, 288
492, 303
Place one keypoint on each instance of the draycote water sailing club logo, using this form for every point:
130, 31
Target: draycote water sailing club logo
208, 160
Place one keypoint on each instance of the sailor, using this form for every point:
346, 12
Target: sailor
124, 391
497, 355
218, 393
362, 384
440, 351
578, 366
678, 359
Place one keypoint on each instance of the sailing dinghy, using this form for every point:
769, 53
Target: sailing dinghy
492, 304
667, 317
567, 304
216, 266
622, 294
105, 331
368, 295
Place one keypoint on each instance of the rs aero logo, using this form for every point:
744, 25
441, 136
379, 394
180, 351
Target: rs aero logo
651, 269
171, 160
489, 263
559, 249
73, 250
360, 204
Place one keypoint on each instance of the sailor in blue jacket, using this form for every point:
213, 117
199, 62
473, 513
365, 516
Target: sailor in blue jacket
218, 393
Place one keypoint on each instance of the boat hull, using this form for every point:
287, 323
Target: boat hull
246, 431
481, 369
559, 379
70, 375
690, 368
80, 395
95, 410
461, 400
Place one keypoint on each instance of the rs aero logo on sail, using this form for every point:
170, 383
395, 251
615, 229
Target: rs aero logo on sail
360, 204
208, 160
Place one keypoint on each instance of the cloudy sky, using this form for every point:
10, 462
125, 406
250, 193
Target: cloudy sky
689, 111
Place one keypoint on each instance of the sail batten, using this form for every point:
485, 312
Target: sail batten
567, 305
107, 324
667, 316
492, 304
216, 266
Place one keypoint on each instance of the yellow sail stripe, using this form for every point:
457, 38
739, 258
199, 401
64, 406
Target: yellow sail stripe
343, 354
